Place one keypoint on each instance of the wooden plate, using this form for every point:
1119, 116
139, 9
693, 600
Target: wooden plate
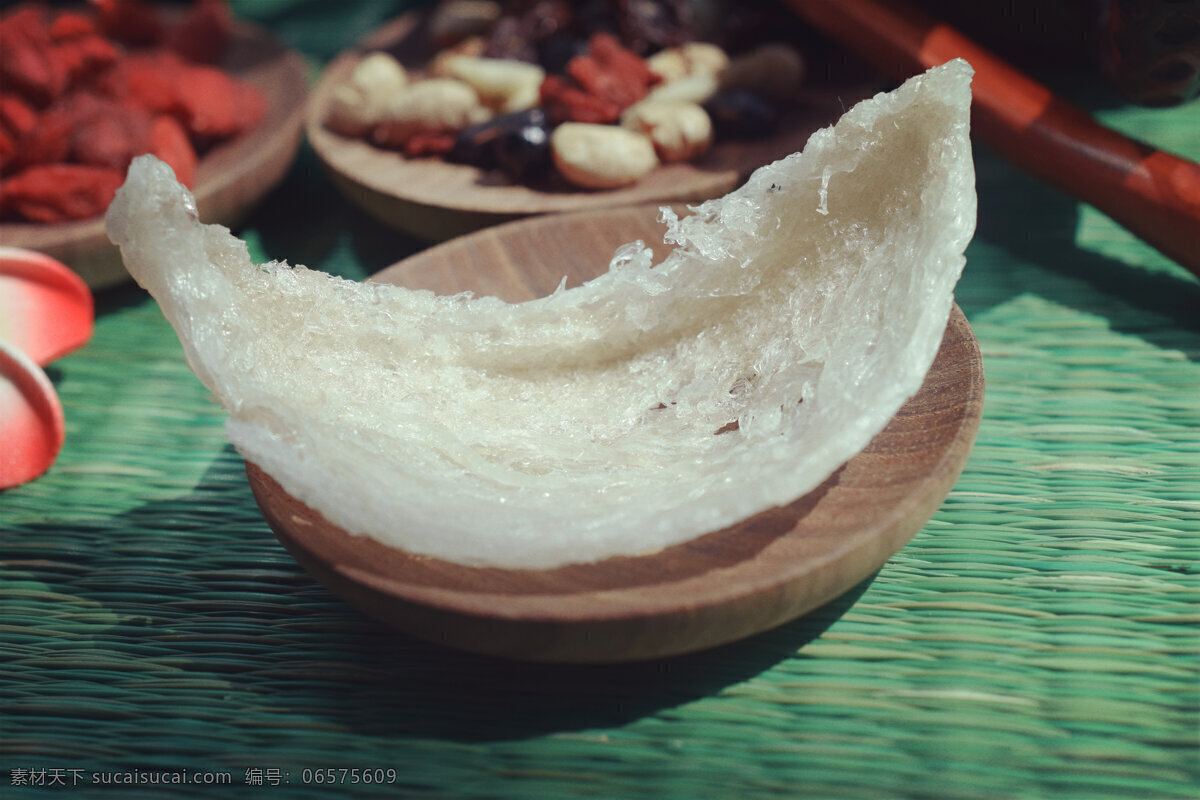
720, 587
435, 200
231, 177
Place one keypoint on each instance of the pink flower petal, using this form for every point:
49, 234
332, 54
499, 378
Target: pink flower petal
46, 309
31, 419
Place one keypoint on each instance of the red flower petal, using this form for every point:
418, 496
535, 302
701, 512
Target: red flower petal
45, 309
31, 419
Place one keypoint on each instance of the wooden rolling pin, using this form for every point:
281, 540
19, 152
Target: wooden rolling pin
1154, 194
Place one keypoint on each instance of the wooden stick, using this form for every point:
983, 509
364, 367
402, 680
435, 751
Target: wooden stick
1154, 194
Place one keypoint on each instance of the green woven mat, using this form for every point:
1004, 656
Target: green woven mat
1037, 639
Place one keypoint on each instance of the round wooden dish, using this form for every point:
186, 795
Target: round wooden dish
435, 200
720, 587
231, 178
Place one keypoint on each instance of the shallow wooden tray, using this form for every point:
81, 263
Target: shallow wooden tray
715, 589
435, 200
231, 177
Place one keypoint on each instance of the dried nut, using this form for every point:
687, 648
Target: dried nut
501, 83
454, 21
523, 99
471, 46
601, 156
680, 131
704, 57
688, 59
697, 88
669, 64
437, 104
358, 103
774, 70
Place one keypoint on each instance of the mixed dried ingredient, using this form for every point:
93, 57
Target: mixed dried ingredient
84, 91
598, 94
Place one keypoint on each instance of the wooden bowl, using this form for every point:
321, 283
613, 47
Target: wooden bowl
231, 178
715, 589
435, 200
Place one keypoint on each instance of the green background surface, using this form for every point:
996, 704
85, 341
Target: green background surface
1037, 639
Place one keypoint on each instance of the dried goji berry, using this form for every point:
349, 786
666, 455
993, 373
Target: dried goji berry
564, 102
84, 56
17, 120
105, 133
105, 141
608, 50
169, 141
16, 116
146, 80
132, 22
27, 64
72, 25
611, 71
49, 142
8, 152
60, 192
429, 143
204, 32
24, 17
213, 105
205, 95
251, 106
613, 86
76, 106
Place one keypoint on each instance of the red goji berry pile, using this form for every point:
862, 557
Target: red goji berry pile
83, 92
602, 83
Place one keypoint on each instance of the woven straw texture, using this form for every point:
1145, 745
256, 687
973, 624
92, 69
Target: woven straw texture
1037, 639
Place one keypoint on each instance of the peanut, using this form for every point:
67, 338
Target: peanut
601, 156
695, 88
471, 46
690, 58
437, 104
358, 103
502, 84
680, 131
